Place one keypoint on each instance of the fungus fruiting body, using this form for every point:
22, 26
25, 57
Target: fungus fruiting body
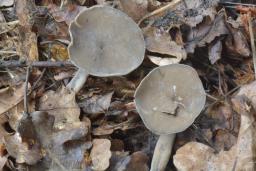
104, 42
178, 98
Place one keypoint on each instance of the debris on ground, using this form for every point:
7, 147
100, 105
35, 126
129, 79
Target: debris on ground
98, 127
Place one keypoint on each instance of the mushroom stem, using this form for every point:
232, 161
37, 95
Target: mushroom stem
162, 152
78, 80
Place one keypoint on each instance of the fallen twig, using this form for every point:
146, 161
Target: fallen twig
26, 91
159, 10
42, 64
252, 42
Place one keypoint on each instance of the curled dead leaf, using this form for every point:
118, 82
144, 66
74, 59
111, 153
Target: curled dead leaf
64, 148
136, 9
100, 154
163, 61
62, 105
214, 51
205, 32
66, 13
237, 44
197, 156
15, 113
159, 41
96, 104
21, 151
10, 97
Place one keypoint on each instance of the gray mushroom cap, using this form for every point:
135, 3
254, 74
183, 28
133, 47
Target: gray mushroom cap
168, 91
106, 42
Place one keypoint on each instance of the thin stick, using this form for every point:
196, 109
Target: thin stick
252, 42
43, 64
159, 10
37, 81
237, 3
7, 52
212, 97
26, 91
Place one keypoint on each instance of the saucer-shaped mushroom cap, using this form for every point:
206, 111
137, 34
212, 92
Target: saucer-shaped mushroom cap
169, 98
106, 42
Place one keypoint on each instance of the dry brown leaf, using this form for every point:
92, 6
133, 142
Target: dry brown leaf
63, 75
136, 9
23, 152
197, 156
60, 104
15, 113
138, 162
96, 104
206, 32
66, 13
214, 51
237, 44
10, 97
198, 9
159, 41
59, 52
64, 148
100, 154
109, 127
218, 28
120, 161
163, 61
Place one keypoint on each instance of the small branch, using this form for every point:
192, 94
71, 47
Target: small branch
7, 52
159, 10
26, 92
252, 42
39, 64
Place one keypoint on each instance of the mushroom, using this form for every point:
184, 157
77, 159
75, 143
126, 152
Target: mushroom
168, 100
104, 42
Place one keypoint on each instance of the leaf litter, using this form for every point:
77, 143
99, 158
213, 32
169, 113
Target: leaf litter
99, 128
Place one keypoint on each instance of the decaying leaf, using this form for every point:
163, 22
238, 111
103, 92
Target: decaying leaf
96, 104
237, 44
214, 51
206, 32
198, 9
136, 9
163, 61
100, 154
65, 14
10, 97
159, 41
15, 113
61, 104
59, 52
64, 147
120, 161
109, 128
197, 156
23, 152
